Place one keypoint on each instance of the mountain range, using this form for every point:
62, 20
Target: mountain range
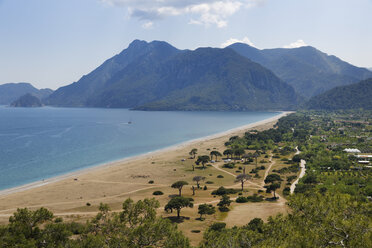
352, 96
310, 71
10, 92
157, 76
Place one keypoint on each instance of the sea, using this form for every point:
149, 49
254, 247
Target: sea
42, 143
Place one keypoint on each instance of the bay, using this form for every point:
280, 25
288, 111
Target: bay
41, 143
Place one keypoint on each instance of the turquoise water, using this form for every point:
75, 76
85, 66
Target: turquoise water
40, 143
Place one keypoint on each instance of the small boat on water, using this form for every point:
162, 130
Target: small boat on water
129, 122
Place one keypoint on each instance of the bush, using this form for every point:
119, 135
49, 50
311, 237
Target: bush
158, 193
223, 191
241, 199
255, 198
151, 181
224, 209
240, 168
88, 204
195, 231
229, 166
220, 176
205, 187
218, 226
209, 182
238, 171
286, 191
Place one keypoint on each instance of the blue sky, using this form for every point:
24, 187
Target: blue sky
51, 43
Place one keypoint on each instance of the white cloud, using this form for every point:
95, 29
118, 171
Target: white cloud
298, 43
148, 25
201, 12
231, 41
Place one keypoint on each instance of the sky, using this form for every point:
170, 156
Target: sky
52, 43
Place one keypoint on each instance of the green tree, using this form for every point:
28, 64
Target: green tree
193, 152
206, 209
216, 154
273, 187
179, 185
228, 152
224, 203
203, 160
271, 178
177, 203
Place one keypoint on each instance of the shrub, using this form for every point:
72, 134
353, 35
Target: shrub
224, 209
238, 171
151, 181
209, 182
241, 199
223, 191
195, 231
58, 220
286, 191
229, 166
205, 187
220, 176
218, 226
158, 193
255, 198
88, 204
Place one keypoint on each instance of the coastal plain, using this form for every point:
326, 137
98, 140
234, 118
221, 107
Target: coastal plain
78, 195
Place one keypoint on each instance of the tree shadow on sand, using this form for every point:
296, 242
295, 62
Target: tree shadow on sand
175, 219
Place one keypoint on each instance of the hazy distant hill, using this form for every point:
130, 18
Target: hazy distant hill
308, 70
354, 96
12, 91
162, 77
27, 100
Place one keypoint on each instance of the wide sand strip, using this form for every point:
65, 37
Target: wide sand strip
112, 183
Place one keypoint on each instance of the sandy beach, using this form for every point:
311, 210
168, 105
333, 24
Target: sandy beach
69, 195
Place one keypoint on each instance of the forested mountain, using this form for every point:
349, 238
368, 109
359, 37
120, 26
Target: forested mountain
310, 71
157, 76
27, 100
138, 52
354, 96
12, 91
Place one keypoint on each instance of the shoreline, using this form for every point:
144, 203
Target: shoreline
95, 168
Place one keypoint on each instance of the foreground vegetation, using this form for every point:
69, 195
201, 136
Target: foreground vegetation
330, 208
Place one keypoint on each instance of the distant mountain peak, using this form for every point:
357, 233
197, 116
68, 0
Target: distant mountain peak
309, 70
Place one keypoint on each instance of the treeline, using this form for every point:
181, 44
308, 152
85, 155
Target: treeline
136, 226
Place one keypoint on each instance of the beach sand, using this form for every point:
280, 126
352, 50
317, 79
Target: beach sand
112, 183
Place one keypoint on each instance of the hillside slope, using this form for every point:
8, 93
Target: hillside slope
354, 96
310, 71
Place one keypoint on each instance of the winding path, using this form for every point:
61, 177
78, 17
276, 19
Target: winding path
302, 172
